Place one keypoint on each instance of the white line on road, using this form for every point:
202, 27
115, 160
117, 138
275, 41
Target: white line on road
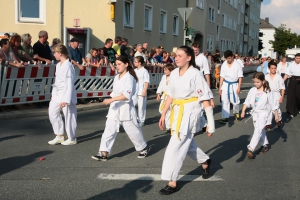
154, 177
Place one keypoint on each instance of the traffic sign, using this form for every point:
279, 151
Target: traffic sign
185, 13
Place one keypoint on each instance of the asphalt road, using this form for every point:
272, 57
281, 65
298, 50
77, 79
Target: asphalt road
68, 172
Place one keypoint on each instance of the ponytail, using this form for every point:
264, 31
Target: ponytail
261, 76
266, 86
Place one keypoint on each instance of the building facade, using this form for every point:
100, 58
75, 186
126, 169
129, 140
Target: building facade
268, 31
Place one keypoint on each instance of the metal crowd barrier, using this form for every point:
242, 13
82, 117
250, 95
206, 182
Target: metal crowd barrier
33, 83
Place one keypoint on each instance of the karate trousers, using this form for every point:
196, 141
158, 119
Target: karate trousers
176, 152
226, 103
141, 102
132, 129
70, 113
293, 95
277, 96
259, 135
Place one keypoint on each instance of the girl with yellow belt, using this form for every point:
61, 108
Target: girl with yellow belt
187, 93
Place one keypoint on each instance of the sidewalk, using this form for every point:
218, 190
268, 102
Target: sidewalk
32, 110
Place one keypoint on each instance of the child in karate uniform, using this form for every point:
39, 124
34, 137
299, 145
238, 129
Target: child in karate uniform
63, 97
278, 88
187, 93
168, 68
230, 86
141, 98
262, 101
122, 111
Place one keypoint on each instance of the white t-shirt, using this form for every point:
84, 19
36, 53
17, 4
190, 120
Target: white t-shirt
141, 54
143, 76
201, 61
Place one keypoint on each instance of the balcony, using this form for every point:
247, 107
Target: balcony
245, 38
246, 19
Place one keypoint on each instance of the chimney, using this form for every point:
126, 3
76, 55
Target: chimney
267, 19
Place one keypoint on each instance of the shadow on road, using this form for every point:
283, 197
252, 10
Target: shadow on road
90, 136
10, 137
129, 191
9, 164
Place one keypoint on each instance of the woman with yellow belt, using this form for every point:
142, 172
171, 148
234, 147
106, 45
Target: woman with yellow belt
187, 93
161, 93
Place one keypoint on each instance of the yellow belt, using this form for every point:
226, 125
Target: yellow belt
161, 107
180, 103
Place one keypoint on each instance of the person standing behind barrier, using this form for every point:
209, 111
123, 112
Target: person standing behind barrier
161, 94
141, 97
55, 41
6, 54
63, 98
75, 55
26, 45
92, 59
110, 53
139, 52
187, 93
102, 58
15, 43
42, 49
117, 45
230, 86
122, 111
293, 92
124, 48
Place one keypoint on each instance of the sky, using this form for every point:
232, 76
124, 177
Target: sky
282, 12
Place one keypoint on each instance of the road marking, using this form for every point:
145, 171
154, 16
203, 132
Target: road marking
154, 177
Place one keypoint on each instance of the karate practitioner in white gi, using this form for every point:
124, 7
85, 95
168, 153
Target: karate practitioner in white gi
231, 77
187, 94
262, 101
161, 93
278, 88
141, 98
63, 97
121, 111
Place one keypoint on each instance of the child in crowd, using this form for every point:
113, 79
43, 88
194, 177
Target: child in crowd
141, 98
168, 68
277, 86
217, 75
262, 101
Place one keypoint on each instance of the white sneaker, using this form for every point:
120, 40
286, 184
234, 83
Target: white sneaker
56, 140
69, 142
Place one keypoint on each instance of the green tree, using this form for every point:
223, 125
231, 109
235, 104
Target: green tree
283, 39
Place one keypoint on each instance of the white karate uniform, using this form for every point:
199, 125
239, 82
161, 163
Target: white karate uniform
202, 62
122, 112
276, 86
162, 89
203, 122
281, 69
261, 109
143, 77
229, 95
190, 84
64, 91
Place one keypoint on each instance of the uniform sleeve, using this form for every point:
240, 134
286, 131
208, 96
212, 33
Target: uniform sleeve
272, 101
146, 76
288, 70
281, 83
201, 88
205, 66
68, 87
128, 88
240, 71
248, 98
222, 71
160, 86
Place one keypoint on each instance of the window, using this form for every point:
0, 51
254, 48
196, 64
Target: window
241, 48
231, 2
163, 21
223, 45
218, 33
242, 9
224, 20
236, 4
148, 17
219, 4
210, 43
30, 11
242, 28
234, 25
211, 14
175, 24
128, 19
200, 4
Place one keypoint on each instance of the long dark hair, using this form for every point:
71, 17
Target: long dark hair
190, 52
261, 76
125, 60
140, 59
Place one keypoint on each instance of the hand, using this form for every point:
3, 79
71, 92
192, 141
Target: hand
25, 63
242, 114
19, 65
161, 122
238, 90
208, 134
48, 62
108, 101
212, 103
276, 119
80, 67
281, 99
158, 97
144, 93
62, 104
220, 92
35, 56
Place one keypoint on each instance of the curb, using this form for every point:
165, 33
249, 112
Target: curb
44, 112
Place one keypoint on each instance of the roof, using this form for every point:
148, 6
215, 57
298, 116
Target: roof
265, 24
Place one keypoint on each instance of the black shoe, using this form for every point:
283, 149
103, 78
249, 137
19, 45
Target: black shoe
224, 121
263, 149
99, 157
144, 152
204, 129
250, 154
168, 190
279, 124
205, 173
